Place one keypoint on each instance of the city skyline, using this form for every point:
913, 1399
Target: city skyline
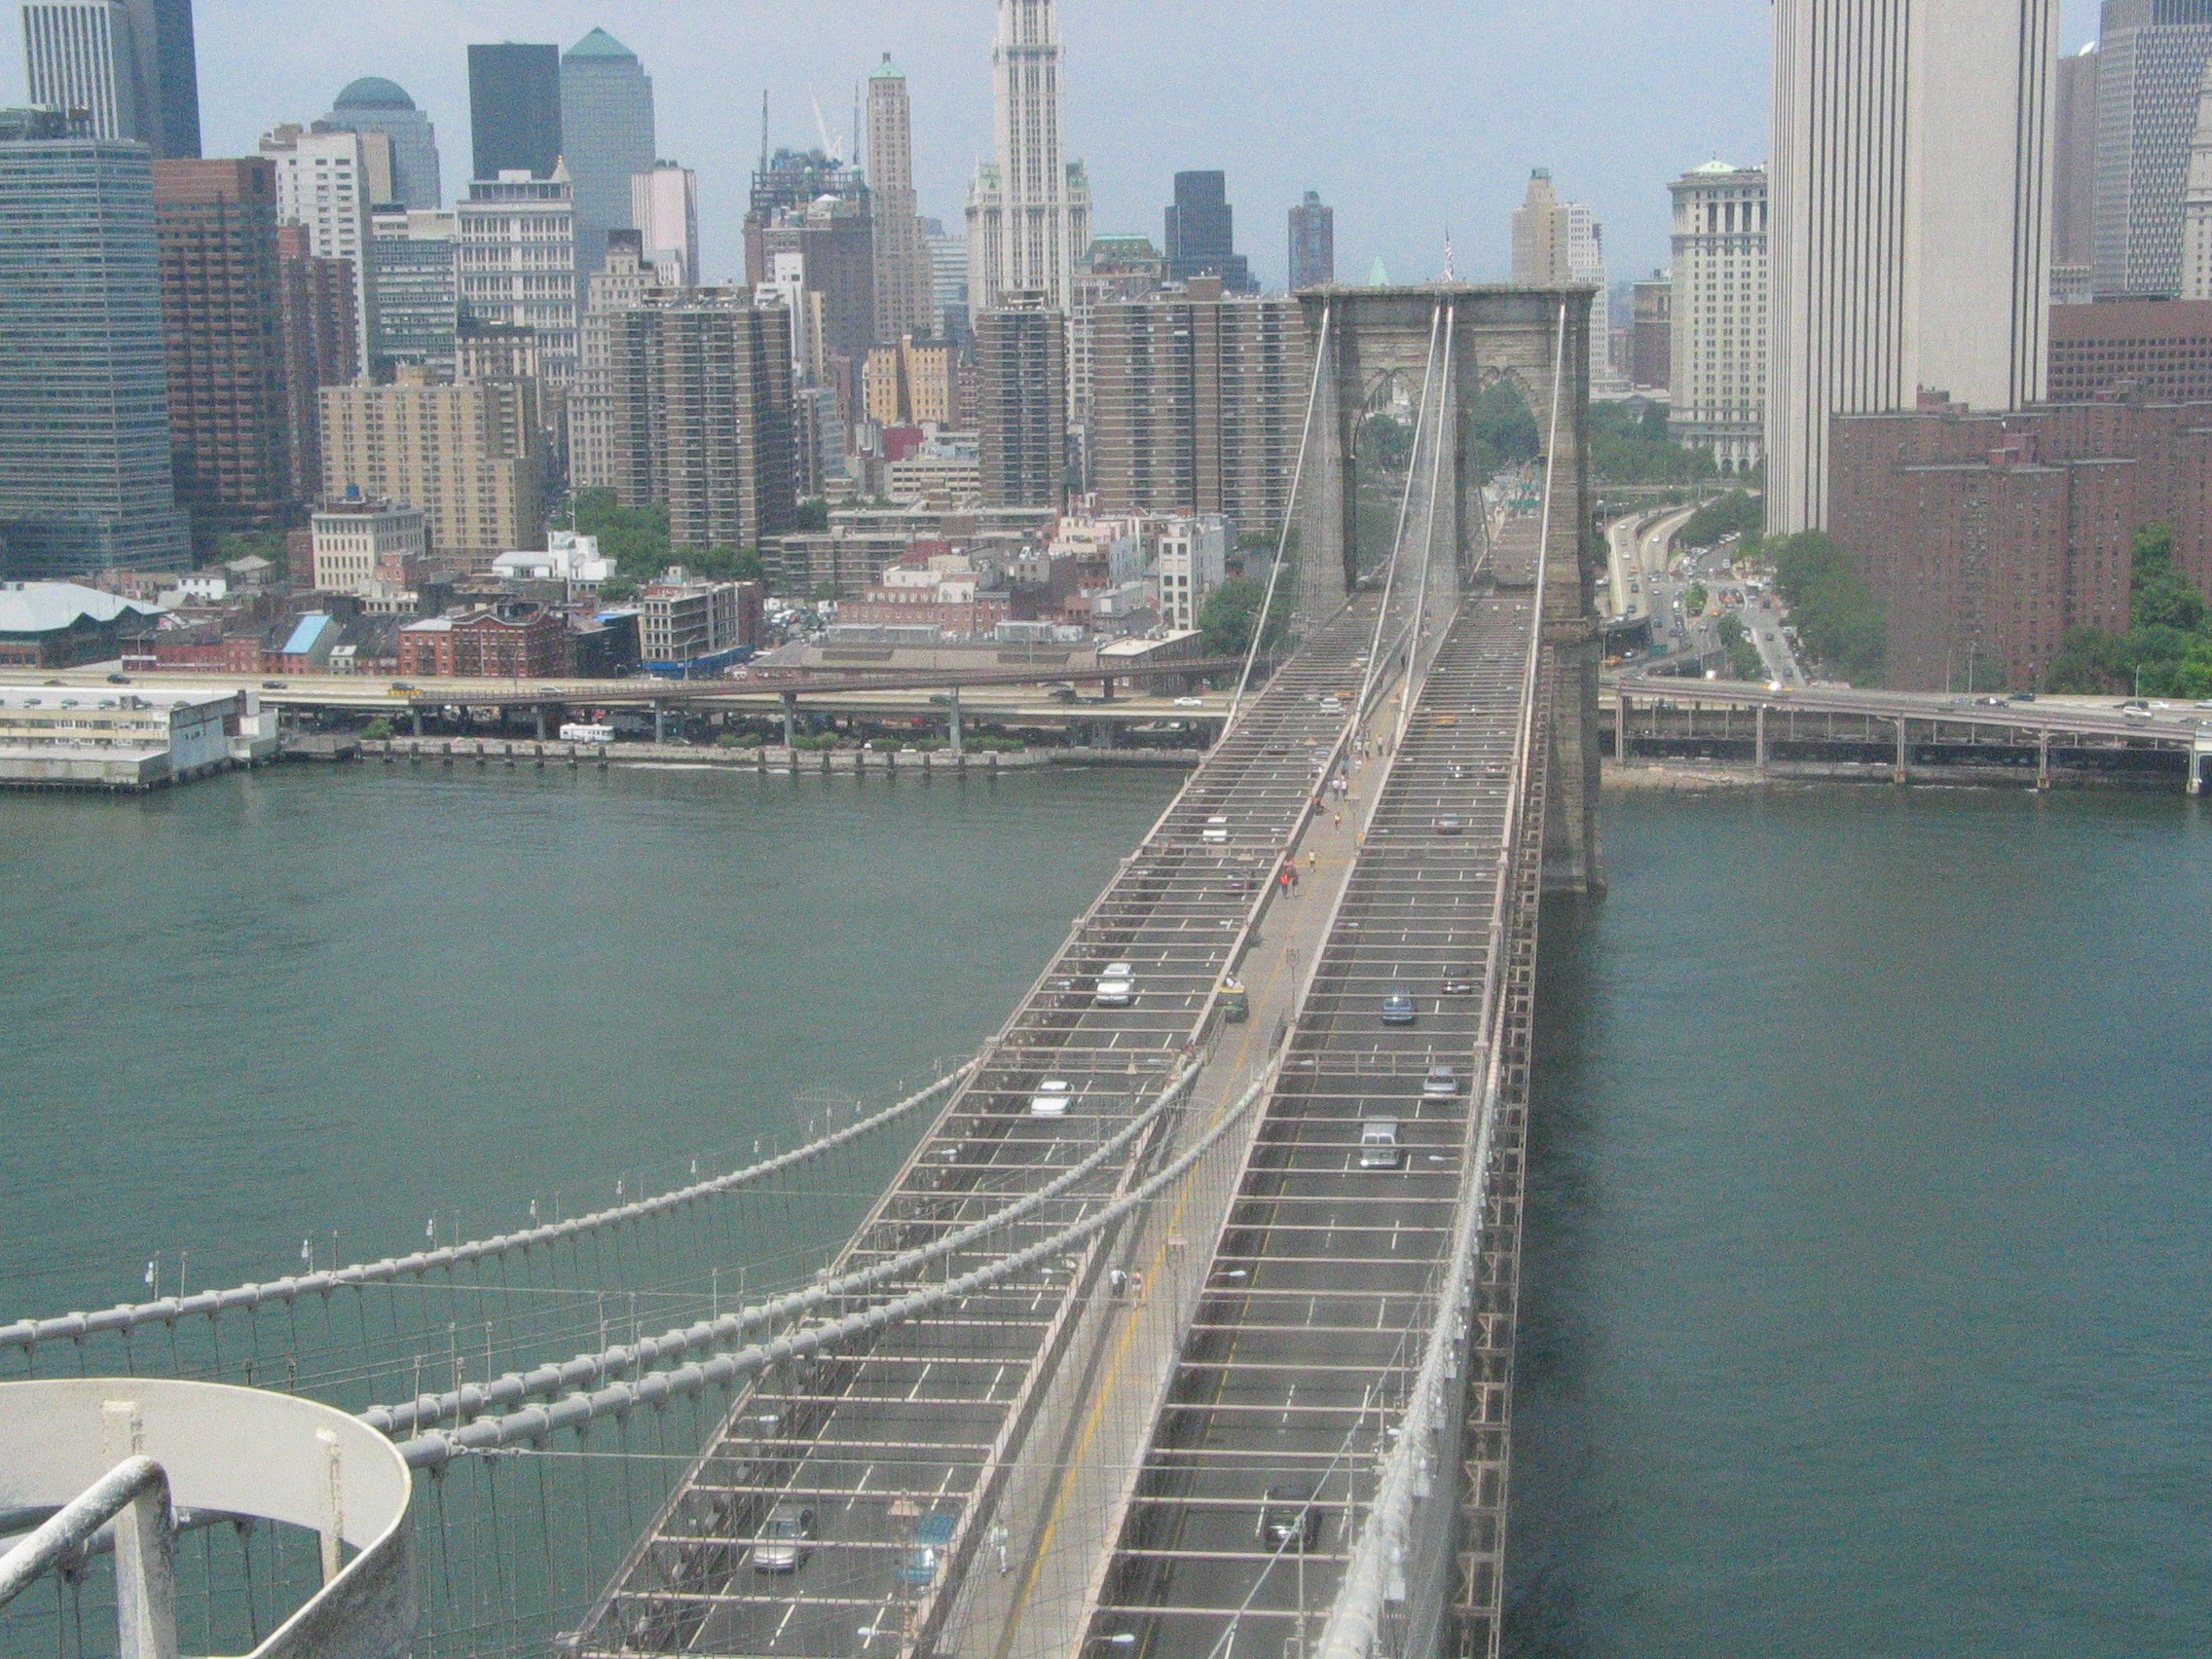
1446, 134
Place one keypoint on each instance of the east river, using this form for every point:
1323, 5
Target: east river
1867, 1305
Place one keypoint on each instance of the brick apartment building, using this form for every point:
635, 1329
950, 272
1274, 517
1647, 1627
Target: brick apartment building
222, 333
2156, 349
1988, 535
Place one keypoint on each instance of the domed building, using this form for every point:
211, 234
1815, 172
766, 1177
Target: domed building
374, 104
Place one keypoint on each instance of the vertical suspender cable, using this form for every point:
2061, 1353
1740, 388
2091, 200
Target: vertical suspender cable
1404, 509
1289, 518
1415, 676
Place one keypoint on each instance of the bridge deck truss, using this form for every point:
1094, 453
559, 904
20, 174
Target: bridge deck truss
920, 1423
1324, 1284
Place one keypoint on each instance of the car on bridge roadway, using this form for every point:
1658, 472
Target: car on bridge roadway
1289, 1521
1451, 824
1379, 1147
784, 1539
1398, 1009
1117, 986
1441, 1084
1051, 1099
931, 1533
1458, 982
1216, 831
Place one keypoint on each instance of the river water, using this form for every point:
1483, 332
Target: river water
1867, 1305
1869, 1278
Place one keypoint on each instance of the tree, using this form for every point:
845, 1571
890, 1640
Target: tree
2167, 648
1504, 430
1694, 598
1837, 615
813, 514
1227, 618
1737, 513
1387, 441
636, 538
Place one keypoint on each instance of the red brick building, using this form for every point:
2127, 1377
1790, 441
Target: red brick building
321, 346
215, 222
2156, 349
498, 642
1988, 536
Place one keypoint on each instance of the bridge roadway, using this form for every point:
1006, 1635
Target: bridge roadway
1322, 1291
385, 694
877, 1440
2069, 717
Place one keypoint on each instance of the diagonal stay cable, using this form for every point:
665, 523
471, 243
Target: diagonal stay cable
573, 1410
585, 1370
28, 1334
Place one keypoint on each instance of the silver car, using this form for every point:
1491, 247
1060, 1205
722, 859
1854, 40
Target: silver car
786, 1540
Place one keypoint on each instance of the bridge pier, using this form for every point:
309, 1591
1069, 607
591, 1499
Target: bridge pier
660, 721
1759, 747
791, 720
958, 747
540, 710
2042, 759
1902, 771
1620, 731
415, 717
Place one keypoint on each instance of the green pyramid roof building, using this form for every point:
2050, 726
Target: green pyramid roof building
600, 45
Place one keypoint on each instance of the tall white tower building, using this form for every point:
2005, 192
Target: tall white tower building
1717, 398
1911, 178
904, 283
1561, 244
1029, 209
323, 182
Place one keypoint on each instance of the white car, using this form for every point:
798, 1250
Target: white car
1051, 1099
1117, 986
1190, 702
1216, 831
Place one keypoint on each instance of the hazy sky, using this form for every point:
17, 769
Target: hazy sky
1407, 115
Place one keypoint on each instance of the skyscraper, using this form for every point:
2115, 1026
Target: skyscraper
321, 339
374, 104
168, 76
1022, 363
1719, 352
1202, 232
85, 456
215, 223
518, 262
2150, 61
324, 182
416, 285
1312, 244
664, 205
514, 110
129, 63
2073, 179
1198, 403
697, 391
607, 138
469, 453
1558, 244
1911, 217
1030, 208
904, 282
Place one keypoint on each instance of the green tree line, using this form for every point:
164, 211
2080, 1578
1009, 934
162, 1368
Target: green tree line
637, 540
2166, 650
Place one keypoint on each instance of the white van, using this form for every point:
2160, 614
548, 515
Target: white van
1216, 831
1117, 986
1379, 1147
